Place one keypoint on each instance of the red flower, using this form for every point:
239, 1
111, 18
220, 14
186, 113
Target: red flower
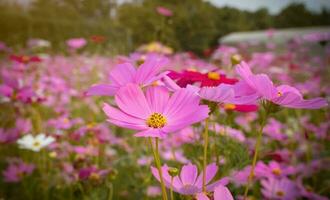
206, 79
98, 38
25, 59
240, 108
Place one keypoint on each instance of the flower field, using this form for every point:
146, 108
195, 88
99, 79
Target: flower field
246, 121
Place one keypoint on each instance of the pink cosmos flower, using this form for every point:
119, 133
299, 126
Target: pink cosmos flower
220, 193
273, 169
189, 182
17, 170
279, 189
164, 11
155, 113
76, 43
223, 93
283, 95
274, 129
153, 191
126, 73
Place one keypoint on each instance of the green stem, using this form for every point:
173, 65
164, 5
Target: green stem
158, 165
171, 189
206, 138
110, 194
255, 156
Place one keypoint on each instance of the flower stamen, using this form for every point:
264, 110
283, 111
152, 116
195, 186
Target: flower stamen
156, 120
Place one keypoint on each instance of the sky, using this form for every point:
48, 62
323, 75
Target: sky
274, 6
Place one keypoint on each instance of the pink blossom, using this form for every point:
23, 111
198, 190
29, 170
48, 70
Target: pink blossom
279, 189
164, 11
283, 95
125, 73
155, 113
189, 182
17, 170
76, 43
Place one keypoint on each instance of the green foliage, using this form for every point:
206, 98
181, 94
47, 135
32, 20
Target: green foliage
195, 25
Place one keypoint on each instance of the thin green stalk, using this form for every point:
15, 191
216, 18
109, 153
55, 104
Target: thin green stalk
110, 194
158, 165
255, 156
171, 189
206, 138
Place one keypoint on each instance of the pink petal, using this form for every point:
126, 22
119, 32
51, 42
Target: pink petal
223, 181
211, 171
6, 90
202, 196
170, 84
222, 193
264, 86
149, 69
221, 93
184, 103
151, 132
102, 90
292, 100
122, 74
132, 101
167, 178
122, 119
157, 98
188, 174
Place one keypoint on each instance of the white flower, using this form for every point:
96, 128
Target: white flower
35, 143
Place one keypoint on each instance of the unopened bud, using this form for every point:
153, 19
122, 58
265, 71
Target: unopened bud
236, 59
173, 171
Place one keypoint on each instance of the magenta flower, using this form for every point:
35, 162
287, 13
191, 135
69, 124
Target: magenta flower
76, 43
279, 189
126, 73
164, 11
283, 95
223, 93
156, 113
189, 182
17, 170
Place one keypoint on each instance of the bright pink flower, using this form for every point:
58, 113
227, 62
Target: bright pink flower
125, 73
164, 11
25, 59
76, 43
283, 95
279, 189
189, 182
223, 93
206, 79
156, 113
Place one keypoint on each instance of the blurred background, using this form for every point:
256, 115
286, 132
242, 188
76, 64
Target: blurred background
195, 25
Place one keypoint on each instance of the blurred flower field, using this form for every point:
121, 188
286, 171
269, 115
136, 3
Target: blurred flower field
246, 121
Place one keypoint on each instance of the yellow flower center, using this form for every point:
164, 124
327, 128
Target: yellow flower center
280, 193
229, 106
156, 120
277, 171
279, 94
66, 120
213, 75
36, 144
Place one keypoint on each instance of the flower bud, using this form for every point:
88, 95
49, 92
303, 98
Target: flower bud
173, 171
